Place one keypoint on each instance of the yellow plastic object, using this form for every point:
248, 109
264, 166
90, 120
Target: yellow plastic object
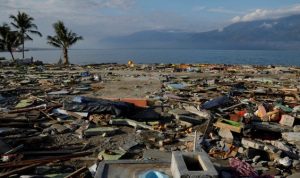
130, 63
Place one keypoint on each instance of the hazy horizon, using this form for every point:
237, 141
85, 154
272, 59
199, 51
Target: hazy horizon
98, 19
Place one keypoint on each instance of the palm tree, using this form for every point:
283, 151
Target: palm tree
9, 39
64, 38
4, 29
24, 23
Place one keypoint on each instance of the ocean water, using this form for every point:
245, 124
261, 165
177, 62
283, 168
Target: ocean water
88, 56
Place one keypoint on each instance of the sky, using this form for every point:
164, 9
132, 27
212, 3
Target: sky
98, 19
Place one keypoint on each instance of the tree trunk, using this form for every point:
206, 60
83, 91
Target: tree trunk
23, 46
12, 55
66, 57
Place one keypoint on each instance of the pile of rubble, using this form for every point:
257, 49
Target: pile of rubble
54, 124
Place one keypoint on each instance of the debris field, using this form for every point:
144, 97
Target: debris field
64, 121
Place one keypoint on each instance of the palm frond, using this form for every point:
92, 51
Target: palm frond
24, 23
54, 41
14, 18
35, 32
64, 38
14, 25
27, 37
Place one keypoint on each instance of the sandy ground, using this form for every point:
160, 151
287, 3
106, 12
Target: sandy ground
128, 84
116, 83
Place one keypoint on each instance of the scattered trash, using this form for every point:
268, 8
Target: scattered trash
111, 154
66, 121
286, 161
98, 106
243, 168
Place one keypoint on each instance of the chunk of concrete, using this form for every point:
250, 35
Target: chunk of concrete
226, 134
154, 154
128, 145
296, 128
292, 138
280, 145
248, 143
192, 165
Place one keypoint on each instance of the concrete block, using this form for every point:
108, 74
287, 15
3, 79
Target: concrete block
192, 165
130, 168
247, 143
154, 154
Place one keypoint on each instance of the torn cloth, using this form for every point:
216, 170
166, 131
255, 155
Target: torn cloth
243, 168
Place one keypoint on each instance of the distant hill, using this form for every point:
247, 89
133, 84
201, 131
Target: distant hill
283, 33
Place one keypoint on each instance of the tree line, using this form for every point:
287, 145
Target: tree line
22, 25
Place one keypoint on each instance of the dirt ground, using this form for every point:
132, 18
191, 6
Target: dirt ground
128, 84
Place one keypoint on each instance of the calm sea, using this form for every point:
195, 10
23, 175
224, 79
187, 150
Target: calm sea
88, 56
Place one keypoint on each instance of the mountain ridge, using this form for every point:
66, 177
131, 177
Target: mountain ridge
281, 33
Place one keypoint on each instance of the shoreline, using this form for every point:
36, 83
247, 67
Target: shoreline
141, 56
10, 63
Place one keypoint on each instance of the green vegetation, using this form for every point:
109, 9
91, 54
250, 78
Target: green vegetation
25, 26
64, 38
22, 25
9, 39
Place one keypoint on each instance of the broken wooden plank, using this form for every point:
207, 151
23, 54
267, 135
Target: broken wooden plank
129, 122
14, 150
183, 101
47, 115
74, 114
77, 172
43, 106
15, 171
48, 153
43, 160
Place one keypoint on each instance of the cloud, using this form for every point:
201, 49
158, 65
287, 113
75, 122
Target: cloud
260, 14
80, 12
267, 25
199, 8
98, 19
124, 4
67, 7
89, 18
223, 10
